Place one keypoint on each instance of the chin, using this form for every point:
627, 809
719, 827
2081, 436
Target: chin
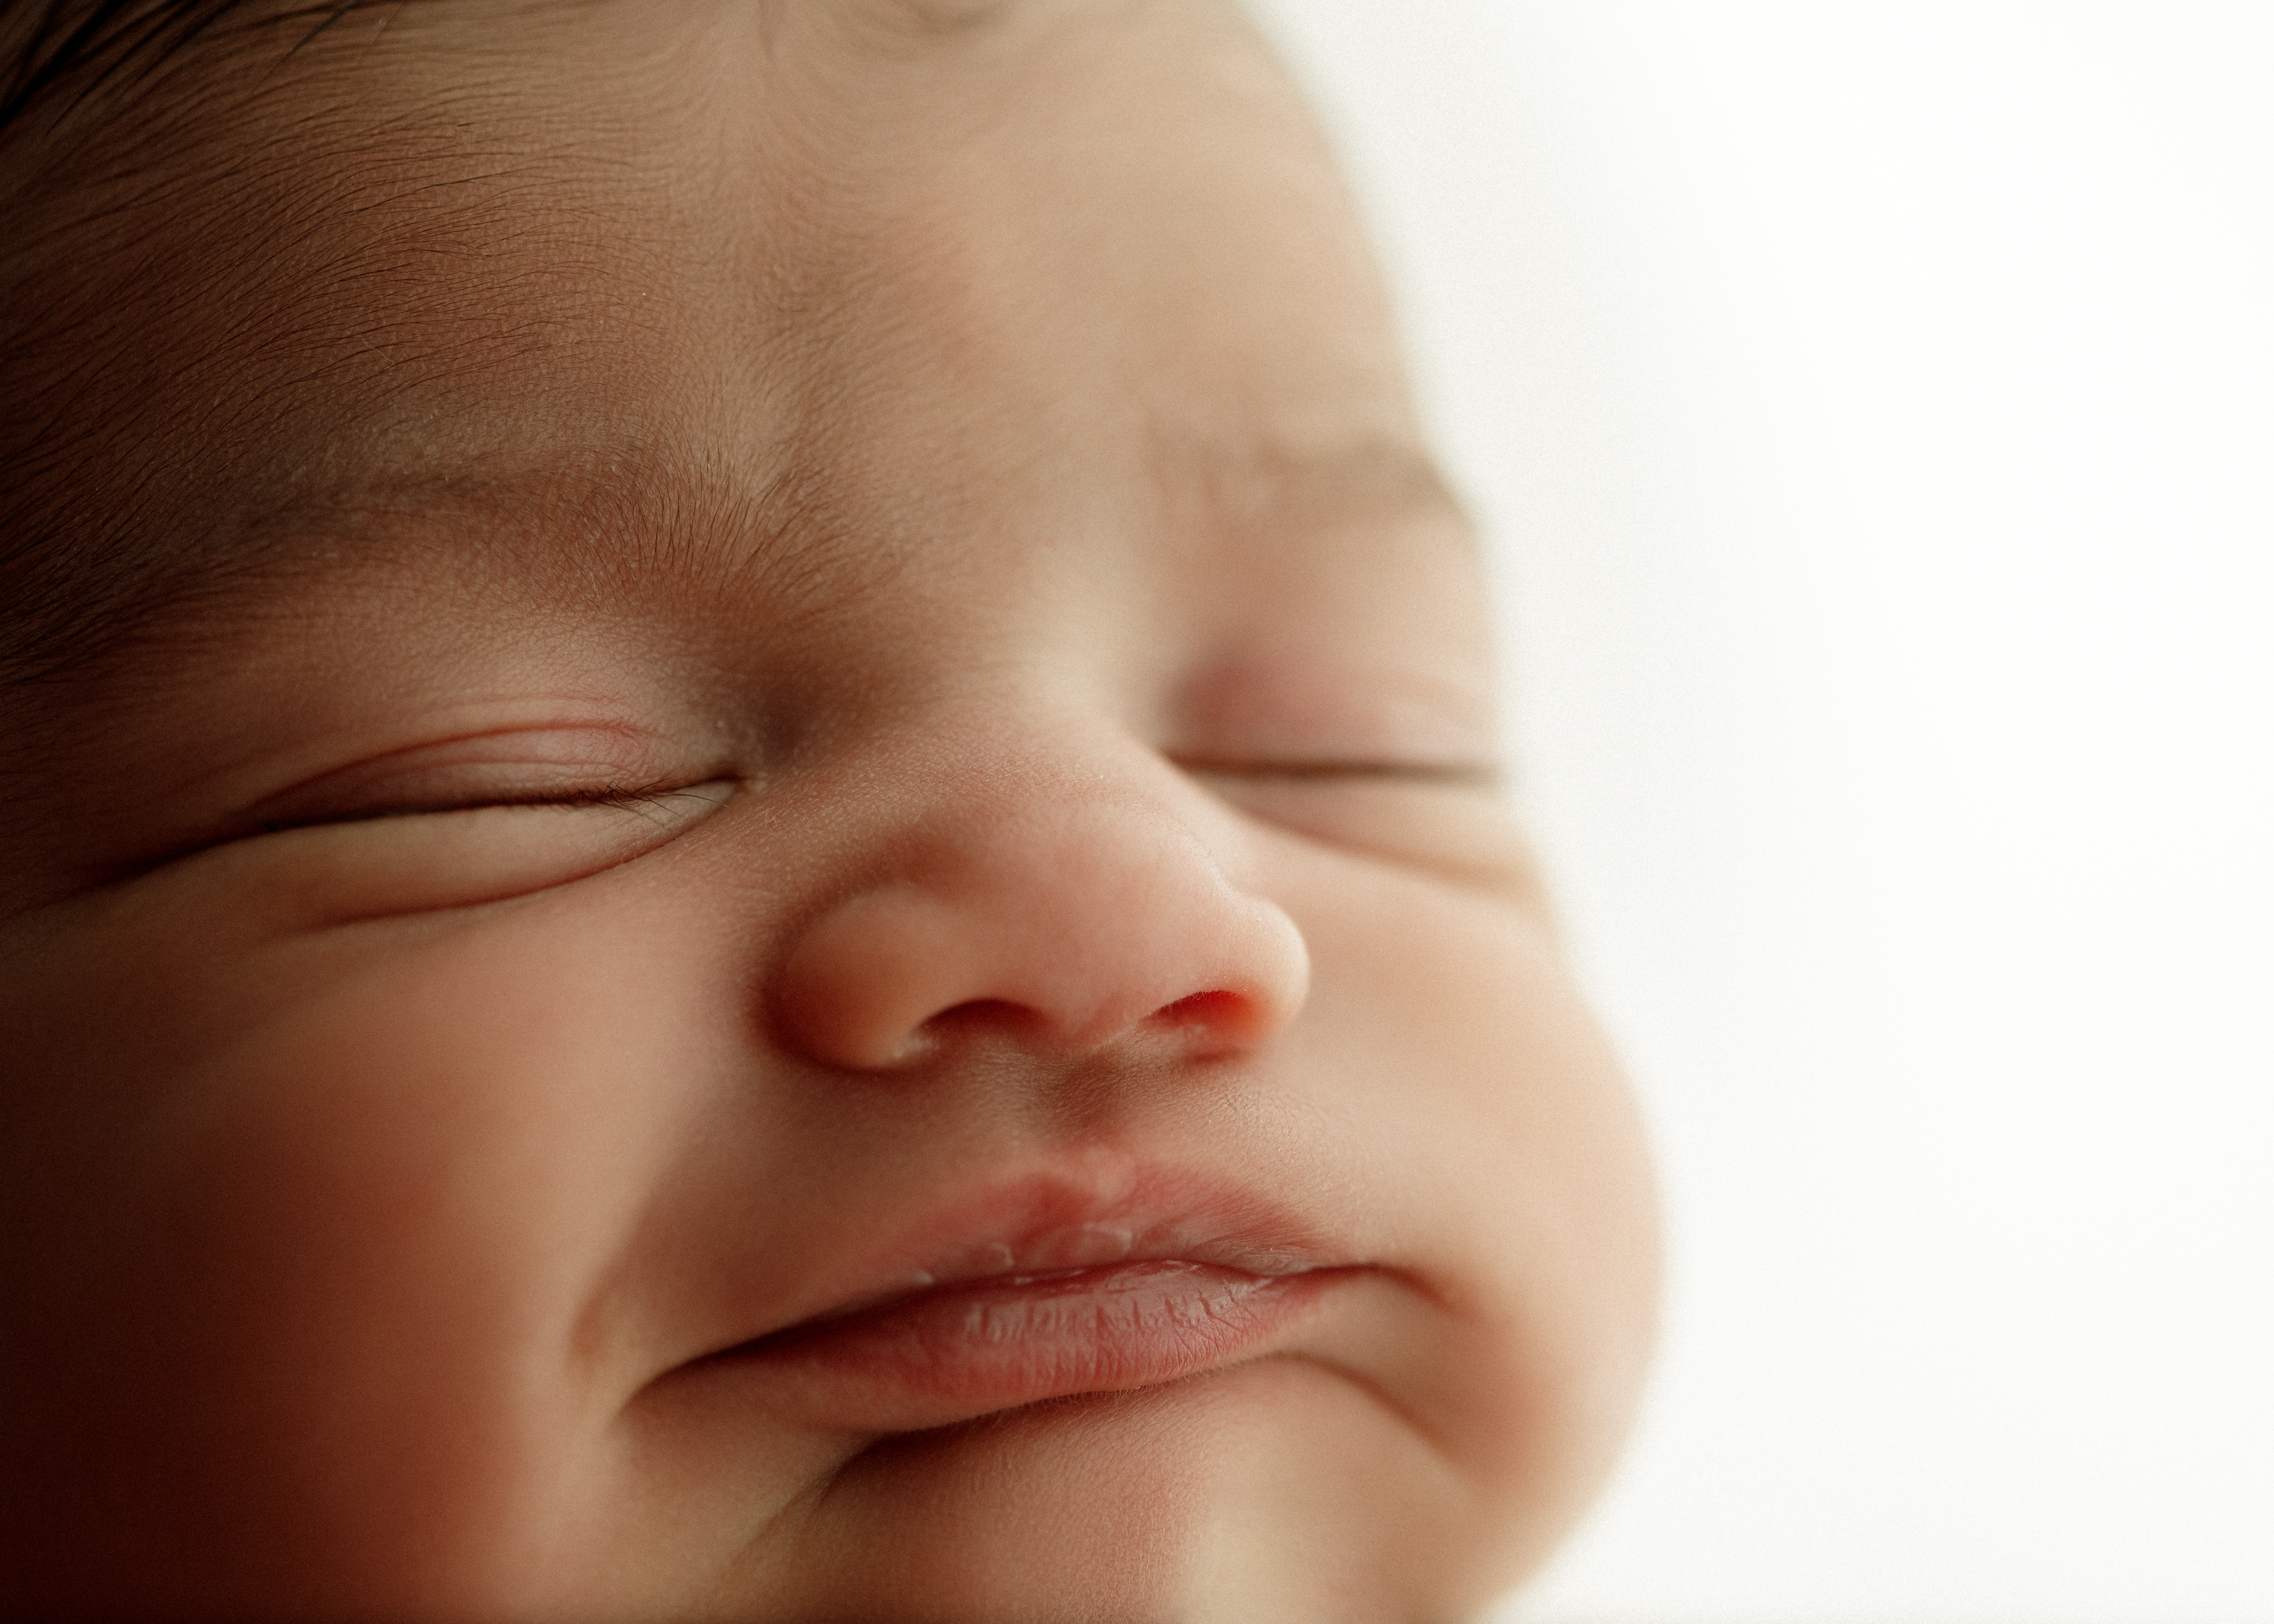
1275, 1490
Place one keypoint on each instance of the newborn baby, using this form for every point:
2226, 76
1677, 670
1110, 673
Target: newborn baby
752, 864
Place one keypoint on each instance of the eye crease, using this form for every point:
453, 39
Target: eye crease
550, 762
1463, 774
651, 801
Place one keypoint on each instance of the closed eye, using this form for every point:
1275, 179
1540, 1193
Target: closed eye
352, 863
1460, 775
657, 802
1447, 819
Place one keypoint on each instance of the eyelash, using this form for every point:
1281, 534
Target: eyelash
637, 798
1452, 774
644, 799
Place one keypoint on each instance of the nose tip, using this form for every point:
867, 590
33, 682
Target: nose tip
1063, 936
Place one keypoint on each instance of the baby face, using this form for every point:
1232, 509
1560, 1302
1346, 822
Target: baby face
787, 902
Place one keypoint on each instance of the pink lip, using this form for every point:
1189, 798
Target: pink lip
1046, 1290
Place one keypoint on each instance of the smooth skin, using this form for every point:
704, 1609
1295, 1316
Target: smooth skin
841, 607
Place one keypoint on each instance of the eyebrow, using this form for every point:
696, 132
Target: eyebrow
1287, 485
653, 512
635, 511
75, 608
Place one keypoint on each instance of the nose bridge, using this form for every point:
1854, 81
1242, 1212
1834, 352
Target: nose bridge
1060, 905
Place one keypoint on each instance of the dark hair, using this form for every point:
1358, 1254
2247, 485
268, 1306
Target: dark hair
65, 49
104, 105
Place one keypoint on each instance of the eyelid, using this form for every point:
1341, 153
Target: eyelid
630, 798
521, 766
1473, 775
1451, 822
316, 875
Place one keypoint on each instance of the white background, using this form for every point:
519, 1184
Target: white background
1870, 403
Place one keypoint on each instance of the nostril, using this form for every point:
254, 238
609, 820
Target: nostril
1202, 1009
978, 1016
900, 976
1203, 1014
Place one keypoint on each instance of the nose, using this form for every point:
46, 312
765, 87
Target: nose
1065, 926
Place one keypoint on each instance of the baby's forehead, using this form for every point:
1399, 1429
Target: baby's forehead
1028, 378
922, 248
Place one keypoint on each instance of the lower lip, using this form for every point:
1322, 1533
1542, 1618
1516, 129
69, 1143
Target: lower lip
960, 1351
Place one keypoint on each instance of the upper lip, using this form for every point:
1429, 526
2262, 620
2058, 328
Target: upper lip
1053, 1222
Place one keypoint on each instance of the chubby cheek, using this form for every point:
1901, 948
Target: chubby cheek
329, 1249
1529, 1190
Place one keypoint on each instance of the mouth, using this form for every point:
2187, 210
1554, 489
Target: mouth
1045, 1294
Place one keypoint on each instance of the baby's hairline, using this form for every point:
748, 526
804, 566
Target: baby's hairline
56, 52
